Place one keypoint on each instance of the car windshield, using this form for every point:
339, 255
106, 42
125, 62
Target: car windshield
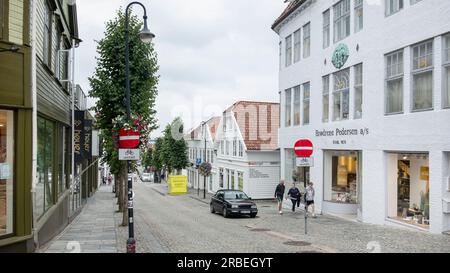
235, 195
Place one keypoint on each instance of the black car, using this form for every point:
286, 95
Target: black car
233, 202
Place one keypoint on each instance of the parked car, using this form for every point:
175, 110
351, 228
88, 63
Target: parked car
146, 177
233, 202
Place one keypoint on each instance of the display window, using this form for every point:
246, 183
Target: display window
6, 172
342, 179
409, 188
293, 174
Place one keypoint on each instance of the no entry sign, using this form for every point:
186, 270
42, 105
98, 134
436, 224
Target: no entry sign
303, 148
128, 139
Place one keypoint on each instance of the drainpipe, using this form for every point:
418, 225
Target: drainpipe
33, 4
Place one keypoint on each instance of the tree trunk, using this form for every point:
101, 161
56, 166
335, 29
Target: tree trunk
124, 194
119, 191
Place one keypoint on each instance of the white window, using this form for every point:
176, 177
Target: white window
222, 149
422, 73
341, 20
241, 149
288, 101
280, 54
47, 34
394, 83
297, 105
358, 91
446, 59
289, 50
297, 46
393, 6
326, 28
359, 15
306, 40
341, 97
326, 98
234, 147
227, 144
306, 101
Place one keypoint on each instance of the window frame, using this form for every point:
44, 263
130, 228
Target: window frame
340, 92
325, 93
343, 17
306, 101
357, 85
445, 67
288, 123
389, 12
394, 77
297, 105
297, 45
358, 5
326, 33
3, 18
421, 71
47, 35
306, 40
288, 51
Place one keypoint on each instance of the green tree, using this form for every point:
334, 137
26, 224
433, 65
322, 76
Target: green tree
156, 158
108, 87
174, 152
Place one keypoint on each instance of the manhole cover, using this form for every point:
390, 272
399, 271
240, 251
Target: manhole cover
259, 229
297, 243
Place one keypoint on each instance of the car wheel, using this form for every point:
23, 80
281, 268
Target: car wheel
253, 215
211, 208
225, 212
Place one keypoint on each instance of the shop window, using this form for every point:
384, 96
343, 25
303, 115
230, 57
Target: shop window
6, 172
294, 174
297, 105
422, 74
409, 188
446, 69
45, 162
358, 91
326, 98
342, 177
394, 83
306, 102
341, 98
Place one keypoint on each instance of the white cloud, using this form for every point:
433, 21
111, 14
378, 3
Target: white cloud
211, 52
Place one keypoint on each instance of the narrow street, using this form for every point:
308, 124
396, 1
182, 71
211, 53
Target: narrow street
183, 224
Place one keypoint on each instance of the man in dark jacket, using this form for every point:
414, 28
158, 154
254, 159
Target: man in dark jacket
279, 195
294, 195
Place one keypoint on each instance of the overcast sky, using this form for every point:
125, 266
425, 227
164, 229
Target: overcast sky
211, 53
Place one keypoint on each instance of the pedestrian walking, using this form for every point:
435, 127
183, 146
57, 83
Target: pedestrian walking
109, 180
279, 195
294, 195
309, 198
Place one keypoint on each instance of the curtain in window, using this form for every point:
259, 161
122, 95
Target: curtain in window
423, 91
394, 96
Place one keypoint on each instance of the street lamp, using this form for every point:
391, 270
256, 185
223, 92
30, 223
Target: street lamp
204, 177
146, 36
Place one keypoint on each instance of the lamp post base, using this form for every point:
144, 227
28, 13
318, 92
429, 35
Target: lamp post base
131, 245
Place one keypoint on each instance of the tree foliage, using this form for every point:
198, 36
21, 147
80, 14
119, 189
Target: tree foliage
108, 84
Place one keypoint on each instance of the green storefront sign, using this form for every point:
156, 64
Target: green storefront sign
340, 56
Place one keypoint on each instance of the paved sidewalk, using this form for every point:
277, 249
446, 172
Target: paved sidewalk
93, 231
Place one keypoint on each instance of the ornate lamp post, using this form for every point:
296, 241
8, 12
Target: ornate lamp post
146, 36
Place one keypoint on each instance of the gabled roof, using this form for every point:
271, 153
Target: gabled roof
293, 5
196, 133
258, 123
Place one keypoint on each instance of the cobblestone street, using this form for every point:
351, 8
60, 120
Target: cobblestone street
183, 224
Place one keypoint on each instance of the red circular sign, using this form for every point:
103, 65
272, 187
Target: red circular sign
128, 139
303, 148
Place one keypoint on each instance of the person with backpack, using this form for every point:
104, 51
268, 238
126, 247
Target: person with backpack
309, 198
294, 195
279, 195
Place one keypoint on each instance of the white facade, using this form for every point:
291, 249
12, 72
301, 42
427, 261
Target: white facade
256, 172
370, 141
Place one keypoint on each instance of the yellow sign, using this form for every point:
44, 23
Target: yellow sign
177, 185
425, 173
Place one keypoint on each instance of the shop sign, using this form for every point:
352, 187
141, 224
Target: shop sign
87, 144
340, 56
129, 154
78, 136
305, 162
